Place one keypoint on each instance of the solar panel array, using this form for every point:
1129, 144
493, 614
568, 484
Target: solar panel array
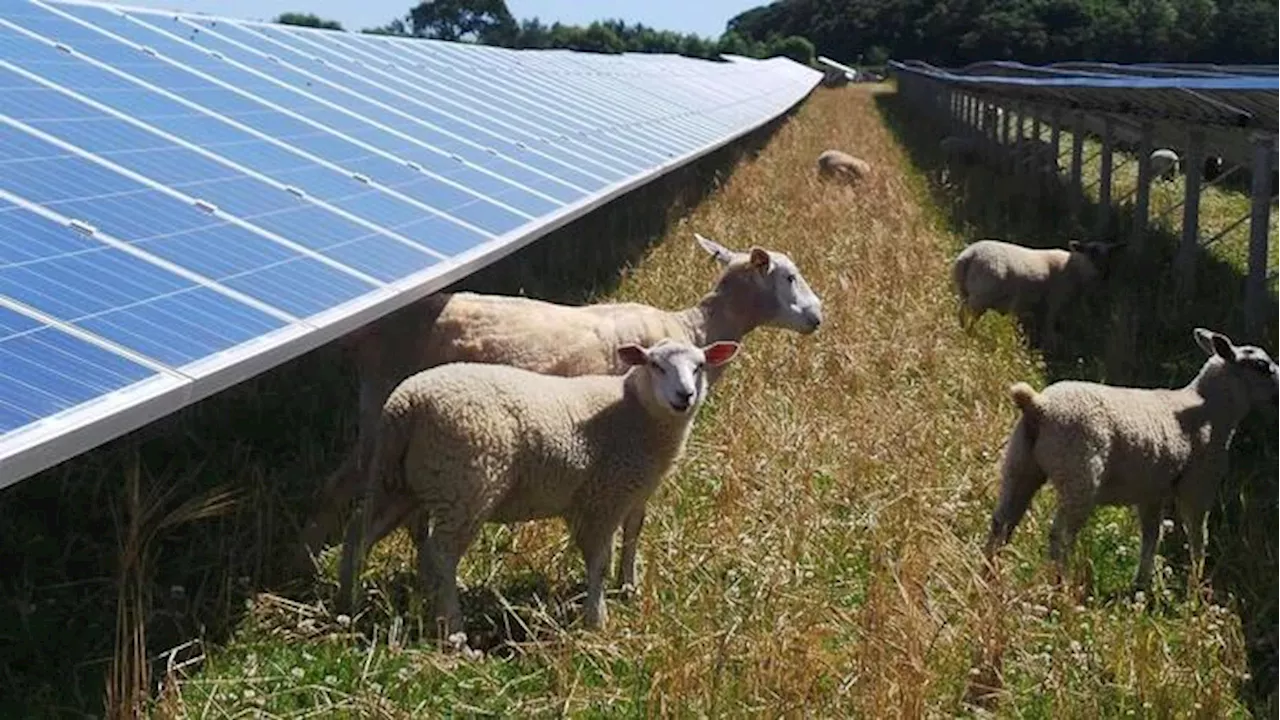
186, 201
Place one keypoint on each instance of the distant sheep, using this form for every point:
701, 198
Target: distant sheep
1008, 278
1165, 163
1036, 156
471, 443
1105, 445
1212, 168
759, 288
957, 153
837, 164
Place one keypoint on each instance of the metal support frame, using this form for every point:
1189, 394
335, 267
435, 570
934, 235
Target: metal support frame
1142, 203
1193, 164
1104, 177
1077, 162
1255, 293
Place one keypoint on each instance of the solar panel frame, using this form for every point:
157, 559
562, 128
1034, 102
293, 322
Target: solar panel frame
606, 93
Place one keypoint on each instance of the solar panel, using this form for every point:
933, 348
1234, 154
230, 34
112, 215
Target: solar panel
187, 201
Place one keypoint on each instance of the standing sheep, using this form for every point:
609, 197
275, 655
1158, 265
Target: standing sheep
759, 288
1036, 156
1008, 278
1105, 445
957, 153
1164, 163
836, 164
470, 443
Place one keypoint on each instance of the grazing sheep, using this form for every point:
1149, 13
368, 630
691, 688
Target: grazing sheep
1008, 278
957, 152
1164, 163
836, 164
1105, 445
471, 443
1212, 169
1036, 155
759, 288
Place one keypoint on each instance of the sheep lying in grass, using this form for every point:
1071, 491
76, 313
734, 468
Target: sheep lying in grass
1008, 278
470, 443
1164, 163
759, 288
837, 164
1105, 445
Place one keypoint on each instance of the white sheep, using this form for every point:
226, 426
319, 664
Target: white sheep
1164, 163
759, 288
1105, 445
471, 443
837, 164
1008, 278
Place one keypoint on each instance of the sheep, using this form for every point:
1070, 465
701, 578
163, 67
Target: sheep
1038, 156
834, 163
1164, 163
474, 443
957, 152
1008, 278
1107, 445
759, 288
1212, 168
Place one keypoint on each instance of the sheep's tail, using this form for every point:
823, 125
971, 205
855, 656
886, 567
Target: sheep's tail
959, 275
1020, 474
1027, 400
384, 490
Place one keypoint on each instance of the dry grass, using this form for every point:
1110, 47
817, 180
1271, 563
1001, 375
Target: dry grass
817, 552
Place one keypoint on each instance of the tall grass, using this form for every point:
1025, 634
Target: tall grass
817, 552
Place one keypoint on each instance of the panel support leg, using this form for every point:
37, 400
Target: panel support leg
1255, 299
1185, 264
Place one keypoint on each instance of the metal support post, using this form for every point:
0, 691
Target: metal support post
1193, 161
1104, 177
1077, 162
1255, 296
1142, 203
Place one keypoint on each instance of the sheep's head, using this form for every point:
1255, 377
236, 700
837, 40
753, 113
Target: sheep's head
1098, 253
674, 373
1251, 365
772, 290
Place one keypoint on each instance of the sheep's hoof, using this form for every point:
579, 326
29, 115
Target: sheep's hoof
627, 591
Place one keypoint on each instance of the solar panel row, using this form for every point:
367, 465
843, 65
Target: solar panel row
186, 201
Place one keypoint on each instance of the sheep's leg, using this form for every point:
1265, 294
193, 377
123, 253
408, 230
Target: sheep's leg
444, 548
595, 539
631, 526
1021, 478
1194, 515
1070, 517
1150, 516
383, 512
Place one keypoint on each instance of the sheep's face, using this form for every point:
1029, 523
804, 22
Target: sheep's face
779, 296
675, 374
1098, 253
1251, 364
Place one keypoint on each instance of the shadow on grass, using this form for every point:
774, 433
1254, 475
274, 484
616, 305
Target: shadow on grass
272, 440
1136, 330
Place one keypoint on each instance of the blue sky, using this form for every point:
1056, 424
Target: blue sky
705, 17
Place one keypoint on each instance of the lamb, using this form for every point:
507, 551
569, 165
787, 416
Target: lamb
759, 288
1105, 445
1008, 278
837, 164
470, 443
1164, 163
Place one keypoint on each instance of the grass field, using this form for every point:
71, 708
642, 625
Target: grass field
817, 552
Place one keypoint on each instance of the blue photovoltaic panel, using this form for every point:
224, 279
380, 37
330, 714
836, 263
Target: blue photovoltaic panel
186, 201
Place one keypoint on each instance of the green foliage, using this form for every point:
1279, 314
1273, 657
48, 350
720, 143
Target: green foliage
794, 47
957, 32
307, 20
487, 21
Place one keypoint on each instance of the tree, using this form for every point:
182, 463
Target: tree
794, 47
462, 20
307, 20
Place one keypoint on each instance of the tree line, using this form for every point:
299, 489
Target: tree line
957, 32
490, 22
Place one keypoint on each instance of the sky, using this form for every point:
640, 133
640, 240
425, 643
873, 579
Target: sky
705, 17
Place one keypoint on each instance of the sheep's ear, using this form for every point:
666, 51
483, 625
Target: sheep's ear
760, 259
1215, 344
1074, 246
715, 249
719, 353
633, 354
